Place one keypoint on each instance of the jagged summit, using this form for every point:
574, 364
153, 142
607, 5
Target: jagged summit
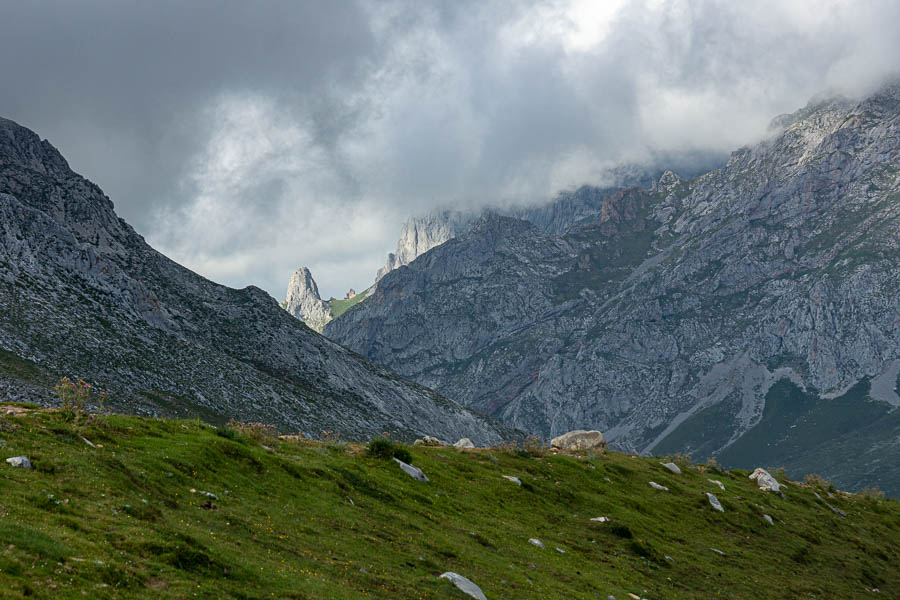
302, 300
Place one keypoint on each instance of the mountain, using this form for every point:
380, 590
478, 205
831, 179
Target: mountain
82, 294
752, 307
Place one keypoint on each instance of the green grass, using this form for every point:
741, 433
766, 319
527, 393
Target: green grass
309, 520
339, 307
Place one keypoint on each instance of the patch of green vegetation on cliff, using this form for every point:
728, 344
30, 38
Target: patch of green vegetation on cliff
339, 307
178, 509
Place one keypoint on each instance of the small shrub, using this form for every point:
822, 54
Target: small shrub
261, 432
333, 441
74, 397
380, 447
682, 460
779, 473
712, 464
227, 432
535, 446
623, 531
817, 481
401, 453
383, 447
872, 494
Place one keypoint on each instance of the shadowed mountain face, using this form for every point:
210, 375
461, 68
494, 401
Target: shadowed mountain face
82, 294
668, 318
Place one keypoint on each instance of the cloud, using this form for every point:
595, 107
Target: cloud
247, 139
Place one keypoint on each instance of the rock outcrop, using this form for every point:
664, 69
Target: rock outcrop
579, 440
302, 300
682, 316
82, 293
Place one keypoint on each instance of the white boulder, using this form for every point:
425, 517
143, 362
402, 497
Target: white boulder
579, 439
672, 467
464, 585
765, 481
414, 472
464, 443
19, 461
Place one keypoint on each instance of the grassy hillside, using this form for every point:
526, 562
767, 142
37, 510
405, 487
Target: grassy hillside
131, 517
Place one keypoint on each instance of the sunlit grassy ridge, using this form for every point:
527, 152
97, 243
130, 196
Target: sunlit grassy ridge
295, 519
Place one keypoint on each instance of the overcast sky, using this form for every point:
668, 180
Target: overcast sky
247, 139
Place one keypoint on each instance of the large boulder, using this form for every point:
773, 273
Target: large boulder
765, 481
19, 461
464, 584
579, 439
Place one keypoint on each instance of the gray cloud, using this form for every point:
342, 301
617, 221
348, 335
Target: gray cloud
246, 139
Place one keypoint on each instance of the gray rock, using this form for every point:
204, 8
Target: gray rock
656, 486
414, 472
672, 467
536, 542
765, 481
715, 502
19, 461
464, 585
429, 440
515, 480
579, 439
464, 443
560, 550
302, 300
719, 552
833, 509
600, 519
768, 519
718, 483
84, 277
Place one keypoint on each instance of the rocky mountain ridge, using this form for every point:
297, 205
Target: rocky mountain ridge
753, 304
82, 294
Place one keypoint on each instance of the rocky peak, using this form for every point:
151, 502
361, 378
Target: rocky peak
25, 149
421, 234
303, 301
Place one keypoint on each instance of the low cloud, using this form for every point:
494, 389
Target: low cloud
245, 140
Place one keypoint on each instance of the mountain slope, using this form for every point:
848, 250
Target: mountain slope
672, 314
168, 509
82, 294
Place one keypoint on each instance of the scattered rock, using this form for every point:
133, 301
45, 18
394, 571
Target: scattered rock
634, 596
715, 502
202, 493
414, 472
766, 481
536, 542
718, 483
835, 510
560, 550
579, 439
656, 486
429, 440
464, 585
719, 552
19, 461
515, 480
87, 441
464, 443
600, 519
768, 519
672, 467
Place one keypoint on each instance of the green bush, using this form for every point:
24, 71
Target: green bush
382, 447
